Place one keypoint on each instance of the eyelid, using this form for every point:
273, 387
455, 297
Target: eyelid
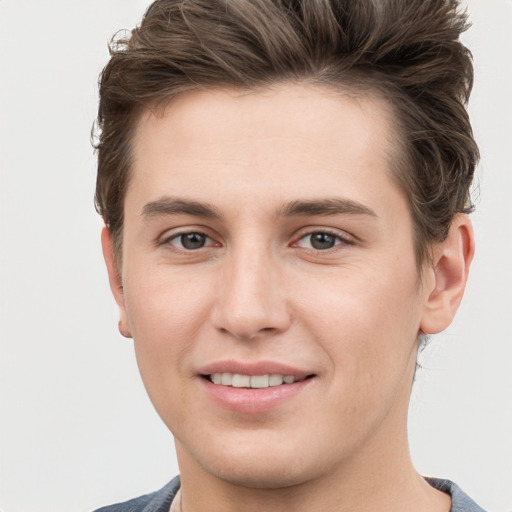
172, 234
168, 236
343, 238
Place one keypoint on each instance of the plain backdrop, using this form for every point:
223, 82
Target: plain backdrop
77, 430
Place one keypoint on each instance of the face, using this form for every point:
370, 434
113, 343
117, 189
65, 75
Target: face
270, 283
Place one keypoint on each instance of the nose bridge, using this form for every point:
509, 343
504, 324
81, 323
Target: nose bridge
250, 301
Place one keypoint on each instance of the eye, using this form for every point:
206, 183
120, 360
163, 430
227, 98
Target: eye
321, 240
190, 241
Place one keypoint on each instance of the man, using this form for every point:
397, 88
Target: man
285, 188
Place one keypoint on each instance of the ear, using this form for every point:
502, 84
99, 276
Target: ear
114, 277
450, 267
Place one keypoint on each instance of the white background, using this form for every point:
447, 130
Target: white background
77, 430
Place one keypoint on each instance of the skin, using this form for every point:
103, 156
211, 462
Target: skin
259, 290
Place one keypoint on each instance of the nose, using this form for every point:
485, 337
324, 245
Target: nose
251, 297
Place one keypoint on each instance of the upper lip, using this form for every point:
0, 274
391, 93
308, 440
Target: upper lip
253, 368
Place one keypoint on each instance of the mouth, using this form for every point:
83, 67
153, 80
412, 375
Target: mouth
237, 380
255, 387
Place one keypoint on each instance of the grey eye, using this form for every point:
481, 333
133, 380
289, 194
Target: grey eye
190, 241
322, 241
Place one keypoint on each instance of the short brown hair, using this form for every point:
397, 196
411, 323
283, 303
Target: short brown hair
407, 51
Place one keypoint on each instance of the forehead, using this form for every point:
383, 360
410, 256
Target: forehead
279, 142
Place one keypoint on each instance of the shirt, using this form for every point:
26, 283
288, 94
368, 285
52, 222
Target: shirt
160, 501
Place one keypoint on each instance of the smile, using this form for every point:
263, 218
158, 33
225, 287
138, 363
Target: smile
237, 380
254, 387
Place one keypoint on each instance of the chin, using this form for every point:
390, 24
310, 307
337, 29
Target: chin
260, 465
256, 475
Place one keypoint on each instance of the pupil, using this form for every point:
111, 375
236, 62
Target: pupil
193, 240
322, 240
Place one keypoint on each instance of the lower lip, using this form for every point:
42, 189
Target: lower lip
253, 401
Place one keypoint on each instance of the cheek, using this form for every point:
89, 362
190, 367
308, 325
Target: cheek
166, 312
351, 300
367, 325
165, 318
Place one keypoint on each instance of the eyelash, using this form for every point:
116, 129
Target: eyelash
339, 240
178, 236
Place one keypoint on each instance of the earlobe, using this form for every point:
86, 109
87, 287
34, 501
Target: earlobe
114, 277
450, 267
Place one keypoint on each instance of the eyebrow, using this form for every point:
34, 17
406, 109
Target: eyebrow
173, 206
329, 206
309, 207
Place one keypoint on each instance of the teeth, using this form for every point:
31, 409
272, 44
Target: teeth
241, 381
275, 380
226, 379
259, 381
251, 381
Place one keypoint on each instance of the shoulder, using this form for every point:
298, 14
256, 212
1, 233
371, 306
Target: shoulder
158, 501
461, 502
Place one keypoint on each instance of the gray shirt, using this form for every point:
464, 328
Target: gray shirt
161, 500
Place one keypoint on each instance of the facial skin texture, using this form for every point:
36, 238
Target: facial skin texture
259, 291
